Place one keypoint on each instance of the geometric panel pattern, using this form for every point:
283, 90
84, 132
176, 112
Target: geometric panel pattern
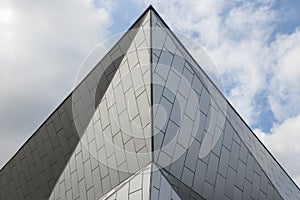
146, 123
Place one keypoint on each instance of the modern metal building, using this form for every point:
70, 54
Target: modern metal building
145, 123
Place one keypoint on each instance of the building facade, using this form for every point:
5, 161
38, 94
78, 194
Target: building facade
145, 123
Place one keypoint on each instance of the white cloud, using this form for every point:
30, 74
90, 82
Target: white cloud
42, 44
283, 142
284, 91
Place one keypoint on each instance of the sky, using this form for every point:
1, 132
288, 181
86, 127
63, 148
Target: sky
255, 45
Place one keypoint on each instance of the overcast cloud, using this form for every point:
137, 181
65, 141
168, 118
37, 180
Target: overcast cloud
255, 45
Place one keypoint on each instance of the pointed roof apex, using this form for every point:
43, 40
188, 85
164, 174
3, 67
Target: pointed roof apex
159, 17
149, 9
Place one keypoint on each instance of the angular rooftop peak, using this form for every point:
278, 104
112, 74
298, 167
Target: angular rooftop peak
146, 122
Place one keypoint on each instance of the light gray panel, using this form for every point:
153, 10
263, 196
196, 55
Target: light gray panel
135, 187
